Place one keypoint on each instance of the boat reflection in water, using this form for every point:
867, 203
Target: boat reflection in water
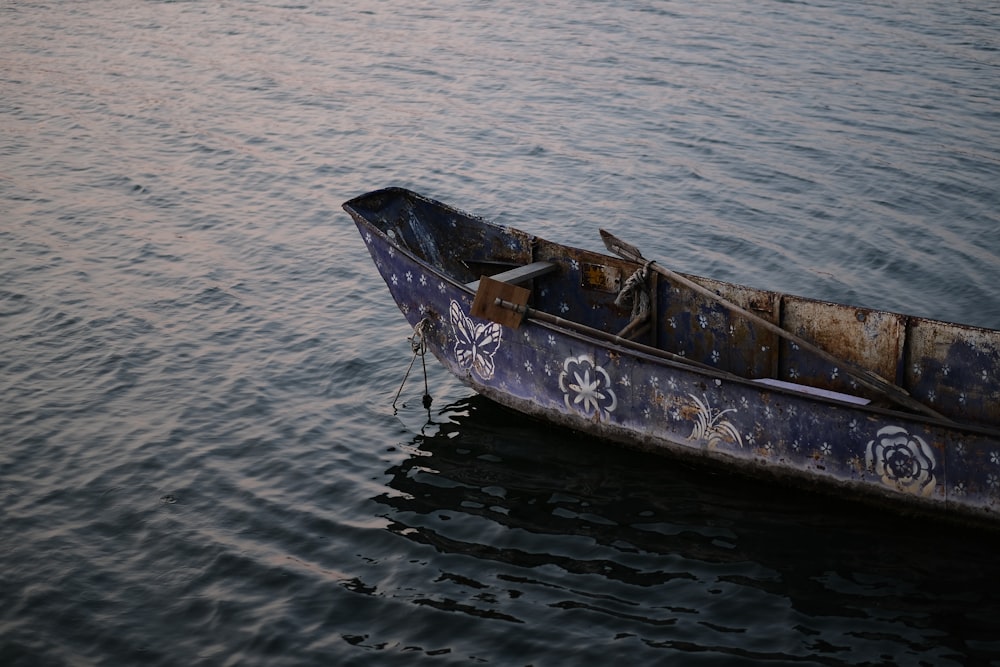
527, 523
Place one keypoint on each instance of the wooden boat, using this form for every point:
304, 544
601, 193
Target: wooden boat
868, 404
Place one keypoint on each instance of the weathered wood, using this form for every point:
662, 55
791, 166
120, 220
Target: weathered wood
863, 376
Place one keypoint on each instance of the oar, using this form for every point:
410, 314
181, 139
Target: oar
864, 376
524, 311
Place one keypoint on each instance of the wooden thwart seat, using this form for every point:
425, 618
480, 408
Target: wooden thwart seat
519, 274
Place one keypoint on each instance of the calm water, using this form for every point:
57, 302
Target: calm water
199, 461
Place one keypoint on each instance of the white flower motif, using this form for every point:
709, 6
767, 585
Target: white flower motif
825, 449
392, 252
587, 387
672, 383
475, 344
715, 356
992, 481
903, 461
423, 280
563, 307
552, 340
946, 369
959, 489
527, 366
834, 373
703, 321
625, 382
442, 287
995, 457
793, 373
409, 276
672, 322
368, 238
394, 279
575, 263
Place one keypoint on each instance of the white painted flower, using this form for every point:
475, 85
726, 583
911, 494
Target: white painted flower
475, 343
527, 366
409, 276
552, 340
564, 307
587, 387
995, 457
703, 321
715, 356
394, 279
904, 461
825, 449
423, 280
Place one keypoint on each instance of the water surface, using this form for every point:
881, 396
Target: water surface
199, 461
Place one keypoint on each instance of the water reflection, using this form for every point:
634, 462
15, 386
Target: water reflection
528, 521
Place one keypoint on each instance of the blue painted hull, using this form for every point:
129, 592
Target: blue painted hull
720, 409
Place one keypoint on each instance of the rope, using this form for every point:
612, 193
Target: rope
635, 289
418, 343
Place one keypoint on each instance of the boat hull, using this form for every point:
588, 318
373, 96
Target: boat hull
622, 394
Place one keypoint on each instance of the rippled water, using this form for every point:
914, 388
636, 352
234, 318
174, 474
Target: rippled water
199, 461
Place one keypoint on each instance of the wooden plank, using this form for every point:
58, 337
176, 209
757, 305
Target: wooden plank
489, 292
519, 274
